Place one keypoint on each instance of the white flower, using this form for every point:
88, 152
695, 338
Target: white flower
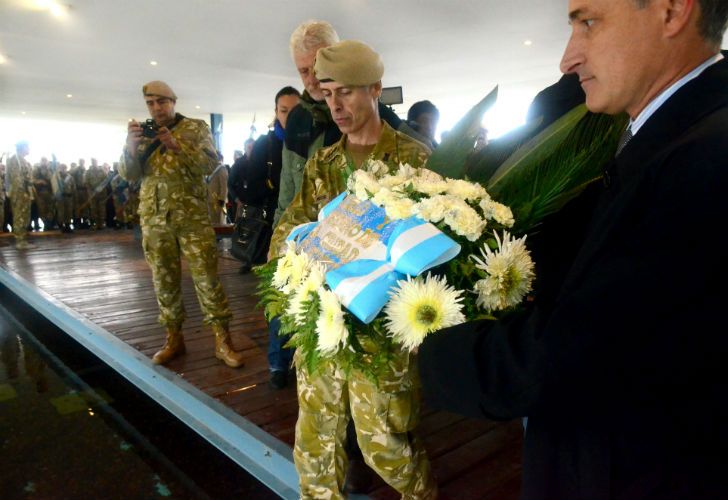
432, 209
292, 268
377, 168
426, 175
421, 306
465, 221
497, 212
330, 326
429, 187
469, 191
363, 184
510, 274
302, 294
406, 171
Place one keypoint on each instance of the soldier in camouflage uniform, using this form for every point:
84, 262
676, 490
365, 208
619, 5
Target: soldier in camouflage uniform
64, 191
20, 191
119, 188
80, 205
43, 193
131, 207
386, 414
174, 218
95, 181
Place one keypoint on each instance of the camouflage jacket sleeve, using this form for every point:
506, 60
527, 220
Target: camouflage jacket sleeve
324, 178
197, 154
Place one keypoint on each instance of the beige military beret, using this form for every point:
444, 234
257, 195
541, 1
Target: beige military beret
349, 62
160, 89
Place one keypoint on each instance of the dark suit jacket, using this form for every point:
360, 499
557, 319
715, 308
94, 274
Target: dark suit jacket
621, 361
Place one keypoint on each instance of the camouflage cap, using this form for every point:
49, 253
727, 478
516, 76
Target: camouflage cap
349, 62
160, 89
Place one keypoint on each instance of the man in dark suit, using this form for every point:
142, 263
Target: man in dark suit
620, 361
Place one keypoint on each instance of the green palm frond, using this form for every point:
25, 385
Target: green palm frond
450, 157
556, 165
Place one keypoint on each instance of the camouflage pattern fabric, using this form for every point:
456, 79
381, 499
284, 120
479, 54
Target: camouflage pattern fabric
119, 189
132, 203
175, 222
94, 177
64, 193
324, 178
216, 193
384, 415
20, 191
79, 205
44, 195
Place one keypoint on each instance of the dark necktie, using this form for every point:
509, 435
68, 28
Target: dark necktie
623, 140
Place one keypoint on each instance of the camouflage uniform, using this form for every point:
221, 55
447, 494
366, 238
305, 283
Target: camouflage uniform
80, 207
44, 195
132, 204
119, 189
217, 193
20, 192
174, 219
93, 178
64, 190
384, 415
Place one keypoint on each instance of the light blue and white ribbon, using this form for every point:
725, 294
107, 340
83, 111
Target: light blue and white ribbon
363, 285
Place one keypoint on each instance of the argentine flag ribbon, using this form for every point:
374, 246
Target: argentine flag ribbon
414, 247
404, 247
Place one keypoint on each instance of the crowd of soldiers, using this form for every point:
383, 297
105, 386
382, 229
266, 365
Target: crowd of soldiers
72, 198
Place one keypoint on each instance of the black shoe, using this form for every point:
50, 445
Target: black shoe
278, 379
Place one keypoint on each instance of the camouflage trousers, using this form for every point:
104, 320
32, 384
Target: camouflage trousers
163, 247
97, 209
384, 423
64, 206
81, 207
20, 206
46, 207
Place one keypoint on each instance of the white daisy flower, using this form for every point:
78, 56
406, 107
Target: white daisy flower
330, 326
292, 268
421, 306
510, 273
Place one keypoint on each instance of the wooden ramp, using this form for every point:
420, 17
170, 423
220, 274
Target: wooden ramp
103, 278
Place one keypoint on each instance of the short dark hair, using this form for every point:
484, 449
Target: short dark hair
421, 107
286, 91
713, 18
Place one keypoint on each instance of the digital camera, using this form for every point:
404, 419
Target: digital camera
149, 128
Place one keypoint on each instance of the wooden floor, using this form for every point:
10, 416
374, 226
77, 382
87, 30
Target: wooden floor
103, 276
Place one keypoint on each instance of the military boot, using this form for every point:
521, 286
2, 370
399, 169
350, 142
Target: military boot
224, 348
173, 347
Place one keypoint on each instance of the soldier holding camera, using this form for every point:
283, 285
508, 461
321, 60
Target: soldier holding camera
172, 154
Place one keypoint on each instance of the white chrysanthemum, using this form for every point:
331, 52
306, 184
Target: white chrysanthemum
399, 208
330, 326
497, 212
432, 209
394, 182
363, 184
510, 274
302, 294
421, 306
291, 270
470, 191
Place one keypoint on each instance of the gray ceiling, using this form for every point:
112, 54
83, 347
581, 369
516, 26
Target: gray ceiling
231, 56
